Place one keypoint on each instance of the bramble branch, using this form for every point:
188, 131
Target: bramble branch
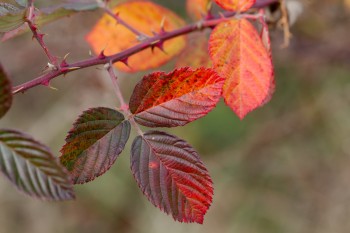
65, 67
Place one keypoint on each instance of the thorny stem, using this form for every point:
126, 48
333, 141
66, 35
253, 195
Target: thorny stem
38, 36
122, 56
123, 106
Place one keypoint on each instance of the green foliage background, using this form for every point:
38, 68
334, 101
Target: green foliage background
285, 168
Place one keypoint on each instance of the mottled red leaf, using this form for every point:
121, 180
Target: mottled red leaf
239, 56
94, 143
172, 176
177, 98
5, 93
235, 5
31, 167
146, 17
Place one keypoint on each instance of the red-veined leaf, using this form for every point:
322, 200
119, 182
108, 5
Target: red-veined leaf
5, 93
197, 8
195, 54
172, 176
235, 5
147, 18
177, 98
239, 56
31, 167
94, 143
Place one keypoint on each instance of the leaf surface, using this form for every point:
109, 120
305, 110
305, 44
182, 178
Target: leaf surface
93, 144
5, 93
239, 56
235, 5
172, 176
31, 167
146, 17
196, 9
11, 17
195, 54
177, 98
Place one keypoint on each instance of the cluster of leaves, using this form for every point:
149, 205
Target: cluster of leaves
166, 168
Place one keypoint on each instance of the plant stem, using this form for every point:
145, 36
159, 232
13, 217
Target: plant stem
38, 36
122, 56
123, 106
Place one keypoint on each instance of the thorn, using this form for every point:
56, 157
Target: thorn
41, 36
46, 83
102, 54
125, 61
158, 44
162, 30
64, 61
90, 53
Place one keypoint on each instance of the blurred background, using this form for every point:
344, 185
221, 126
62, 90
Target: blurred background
283, 169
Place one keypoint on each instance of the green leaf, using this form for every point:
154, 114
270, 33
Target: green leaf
93, 144
11, 17
31, 167
22, 3
5, 93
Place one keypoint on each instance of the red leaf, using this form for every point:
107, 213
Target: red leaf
235, 5
172, 176
239, 56
177, 98
92, 146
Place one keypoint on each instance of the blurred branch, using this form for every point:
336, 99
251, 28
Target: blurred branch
65, 68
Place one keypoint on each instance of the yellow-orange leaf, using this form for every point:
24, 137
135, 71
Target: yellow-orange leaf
236, 5
196, 9
239, 56
147, 18
196, 53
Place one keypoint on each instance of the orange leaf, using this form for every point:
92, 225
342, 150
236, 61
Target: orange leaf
146, 17
196, 9
196, 53
235, 5
239, 55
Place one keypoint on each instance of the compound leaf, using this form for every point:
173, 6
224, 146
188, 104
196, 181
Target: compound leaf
172, 176
31, 167
238, 55
177, 98
94, 143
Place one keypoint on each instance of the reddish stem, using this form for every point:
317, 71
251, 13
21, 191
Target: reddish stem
123, 106
122, 56
38, 36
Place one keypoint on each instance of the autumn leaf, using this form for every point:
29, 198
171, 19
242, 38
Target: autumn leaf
235, 5
172, 176
5, 93
196, 9
239, 56
94, 143
177, 98
147, 18
31, 167
195, 54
